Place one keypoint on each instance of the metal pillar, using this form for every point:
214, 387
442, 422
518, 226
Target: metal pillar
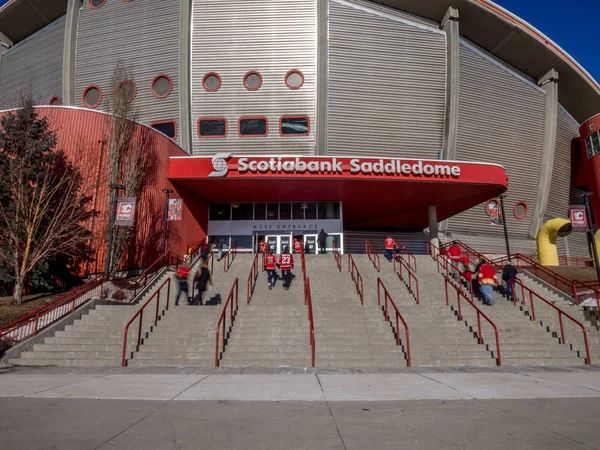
111, 229
433, 226
165, 219
505, 227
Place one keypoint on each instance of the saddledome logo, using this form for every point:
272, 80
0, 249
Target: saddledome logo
219, 162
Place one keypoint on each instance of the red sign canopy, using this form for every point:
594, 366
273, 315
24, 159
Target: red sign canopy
378, 193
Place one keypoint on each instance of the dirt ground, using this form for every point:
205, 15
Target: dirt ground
9, 312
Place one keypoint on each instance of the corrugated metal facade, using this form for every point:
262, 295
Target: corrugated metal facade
145, 36
501, 120
272, 37
33, 66
387, 83
578, 243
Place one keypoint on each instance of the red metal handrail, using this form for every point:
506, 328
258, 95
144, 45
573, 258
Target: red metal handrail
222, 322
357, 278
252, 277
230, 256
411, 259
337, 256
373, 256
398, 315
572, 261
411, 277
140, 314
141, 281
480, 314
533, 295
303, 265
31, 323
311, 321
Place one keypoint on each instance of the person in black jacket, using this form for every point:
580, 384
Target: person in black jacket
322, 238
203, 278
509, 274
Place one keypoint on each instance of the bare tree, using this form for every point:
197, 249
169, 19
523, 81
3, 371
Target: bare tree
44, 205
126, 149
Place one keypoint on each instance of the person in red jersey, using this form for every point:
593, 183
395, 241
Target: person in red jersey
390, 244
263, 247
487, 280
286, 264
297, 245
456, 256
270, 266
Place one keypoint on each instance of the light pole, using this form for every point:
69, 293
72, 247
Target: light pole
591, 230
111, 229
505, 226
166, 219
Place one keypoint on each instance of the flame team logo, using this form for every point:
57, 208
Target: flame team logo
219, 163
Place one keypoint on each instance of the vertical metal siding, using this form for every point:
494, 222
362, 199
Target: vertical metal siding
144, 35
501, 120
271, 37
387, 83
578, 242
34, 66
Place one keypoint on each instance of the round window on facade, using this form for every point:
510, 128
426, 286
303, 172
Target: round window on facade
55, 101
212, 82
521, 210
162, 85
294, 79
253, 81
126, 91
92, 96
96, 3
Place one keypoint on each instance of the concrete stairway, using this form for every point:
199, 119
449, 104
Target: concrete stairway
348, 334
273, 331
437, 338
96, 339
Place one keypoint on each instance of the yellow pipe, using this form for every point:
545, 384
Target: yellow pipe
546, 240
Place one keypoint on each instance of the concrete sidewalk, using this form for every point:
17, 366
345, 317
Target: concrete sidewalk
89, 409
300, 387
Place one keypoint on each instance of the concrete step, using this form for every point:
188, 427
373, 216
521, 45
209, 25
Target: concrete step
209, 362
82, 347
72, 355
541, 361
67, 362
453, 362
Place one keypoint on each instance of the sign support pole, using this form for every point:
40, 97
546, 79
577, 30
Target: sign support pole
165, 220
591, 232
505, 227
111, 228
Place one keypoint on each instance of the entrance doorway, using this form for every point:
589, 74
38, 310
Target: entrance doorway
277, 243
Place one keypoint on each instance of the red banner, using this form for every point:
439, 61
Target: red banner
175, 209
125, 216
578, 218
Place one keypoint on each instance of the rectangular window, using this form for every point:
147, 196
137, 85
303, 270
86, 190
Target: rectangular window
253, 126
260, 211
297, 211
592, 144
272, 211
285, 211
310, 211
329, 210
212, 127
167, 127
242, 211
243, 242
294, 126
220, 211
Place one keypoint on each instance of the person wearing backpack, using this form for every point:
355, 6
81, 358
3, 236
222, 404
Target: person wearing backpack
182, 277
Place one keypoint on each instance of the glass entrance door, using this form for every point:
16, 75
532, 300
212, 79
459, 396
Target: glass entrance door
278, 243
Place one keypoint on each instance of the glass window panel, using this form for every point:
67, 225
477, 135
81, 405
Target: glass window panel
329, 210
285, 211
260, 211
167, 128
272, 211
295, 126
310, 211
253, 127
220, 211
243, 242
213, 127
242, 211
297, 211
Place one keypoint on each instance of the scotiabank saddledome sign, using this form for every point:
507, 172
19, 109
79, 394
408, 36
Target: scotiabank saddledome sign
223, 166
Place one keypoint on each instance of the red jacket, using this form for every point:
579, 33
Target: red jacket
270, 262
286, 261
263, 247
487, 275
389, 244
297, 246
455, 253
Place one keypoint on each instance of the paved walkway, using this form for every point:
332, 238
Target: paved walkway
88, 409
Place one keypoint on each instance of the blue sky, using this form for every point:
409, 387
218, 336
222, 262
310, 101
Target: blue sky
571, 24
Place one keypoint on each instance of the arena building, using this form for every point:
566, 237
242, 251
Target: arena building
358, 117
